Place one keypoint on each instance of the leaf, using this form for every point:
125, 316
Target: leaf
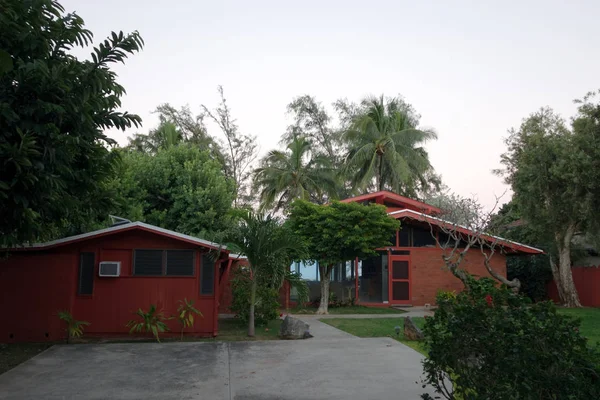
6, 62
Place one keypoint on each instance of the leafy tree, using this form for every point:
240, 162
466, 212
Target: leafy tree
269, 247
385, 146
339, 232
180, 188
240, 151
53, 111
166, 135
296, 174
488, 343
554, 173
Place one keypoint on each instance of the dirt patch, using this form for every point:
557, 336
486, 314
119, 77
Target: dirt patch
13, 354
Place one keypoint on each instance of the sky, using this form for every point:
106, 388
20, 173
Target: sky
472, 69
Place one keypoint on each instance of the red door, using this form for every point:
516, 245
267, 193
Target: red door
399, 288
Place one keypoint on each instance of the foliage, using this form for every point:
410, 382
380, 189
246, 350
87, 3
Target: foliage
339, 232
152, 321
53, 111
240, 150
554, 173
492, 344
295, 174
74, 327
185, 314
385, 146
267, 299
180, 188
270, 248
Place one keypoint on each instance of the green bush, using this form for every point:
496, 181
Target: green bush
493, 344
267, 299
533, 272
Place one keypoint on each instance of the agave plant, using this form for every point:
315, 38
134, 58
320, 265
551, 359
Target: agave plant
152, 321
74, 327
185, 314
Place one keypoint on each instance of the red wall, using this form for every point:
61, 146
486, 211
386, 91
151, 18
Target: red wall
587, 282
34, 286
429, 273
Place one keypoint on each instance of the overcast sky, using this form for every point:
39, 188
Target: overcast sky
472, 69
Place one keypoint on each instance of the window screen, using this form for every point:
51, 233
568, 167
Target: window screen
86, 273
207, 276
405, 236
422, 237
180, 262
148, 262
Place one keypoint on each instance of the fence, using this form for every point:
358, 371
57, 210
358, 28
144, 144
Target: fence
587, 282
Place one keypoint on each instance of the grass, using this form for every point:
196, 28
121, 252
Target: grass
349, 310
377, 327
232, 330
13, 354
590, 322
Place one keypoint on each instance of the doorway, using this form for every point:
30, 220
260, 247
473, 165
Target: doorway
399, 286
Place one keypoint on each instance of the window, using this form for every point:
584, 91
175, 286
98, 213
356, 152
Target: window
180, 262
207, 276
163, 262
422, 237
405, 236
393, 239
86, 273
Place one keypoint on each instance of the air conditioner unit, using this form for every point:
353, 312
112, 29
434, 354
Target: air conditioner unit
110, 268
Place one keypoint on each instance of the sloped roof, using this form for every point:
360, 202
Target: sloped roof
516, 247
122, 228
397, 199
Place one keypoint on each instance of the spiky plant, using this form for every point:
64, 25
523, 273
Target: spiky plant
152, 321
74, 327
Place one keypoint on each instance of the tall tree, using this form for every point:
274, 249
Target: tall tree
339, 232
268, 245
294, 174
181, 188
554, 173
386, 147
164, 136
240, 151
53, 111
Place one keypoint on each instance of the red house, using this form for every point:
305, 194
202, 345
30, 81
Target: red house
104, 276
411, 270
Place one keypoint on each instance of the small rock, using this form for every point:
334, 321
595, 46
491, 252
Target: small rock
411, 331
292, 328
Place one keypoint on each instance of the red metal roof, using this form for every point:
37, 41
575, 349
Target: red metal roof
121, 228
414, 215
394, 198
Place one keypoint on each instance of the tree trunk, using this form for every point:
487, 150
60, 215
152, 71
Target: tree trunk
565, 283
324, 271
380, 174
251, 330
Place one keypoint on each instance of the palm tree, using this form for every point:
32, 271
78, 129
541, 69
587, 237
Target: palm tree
285, 176
268, 246
164, 136
386, 146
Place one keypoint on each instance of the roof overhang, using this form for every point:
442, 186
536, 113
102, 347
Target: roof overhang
417, 216
140, 226
395, 198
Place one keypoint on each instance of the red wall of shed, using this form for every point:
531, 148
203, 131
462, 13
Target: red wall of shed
37, 285
587, 282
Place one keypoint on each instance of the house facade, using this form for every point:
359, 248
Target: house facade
410, 271
103, 277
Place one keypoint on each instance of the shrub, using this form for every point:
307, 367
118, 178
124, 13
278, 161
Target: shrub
533, 272
74, 327
152, 321
267, 299
185, 314
492, 344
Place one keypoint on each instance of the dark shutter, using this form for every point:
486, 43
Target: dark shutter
180, 262
86, 273
207, 277
147, 262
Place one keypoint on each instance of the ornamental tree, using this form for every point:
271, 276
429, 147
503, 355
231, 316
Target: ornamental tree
339, 232
54, 109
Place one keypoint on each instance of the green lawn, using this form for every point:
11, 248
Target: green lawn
349, 310
590, 321
377, 327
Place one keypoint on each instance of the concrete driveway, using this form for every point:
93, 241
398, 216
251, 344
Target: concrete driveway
341, 368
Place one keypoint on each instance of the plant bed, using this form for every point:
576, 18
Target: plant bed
13, 354
377, 327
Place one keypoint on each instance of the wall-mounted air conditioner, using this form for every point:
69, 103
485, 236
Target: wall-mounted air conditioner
110, 268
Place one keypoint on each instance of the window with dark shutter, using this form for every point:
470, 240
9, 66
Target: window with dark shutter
207, 276
86, 273
148, 262
180, 262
